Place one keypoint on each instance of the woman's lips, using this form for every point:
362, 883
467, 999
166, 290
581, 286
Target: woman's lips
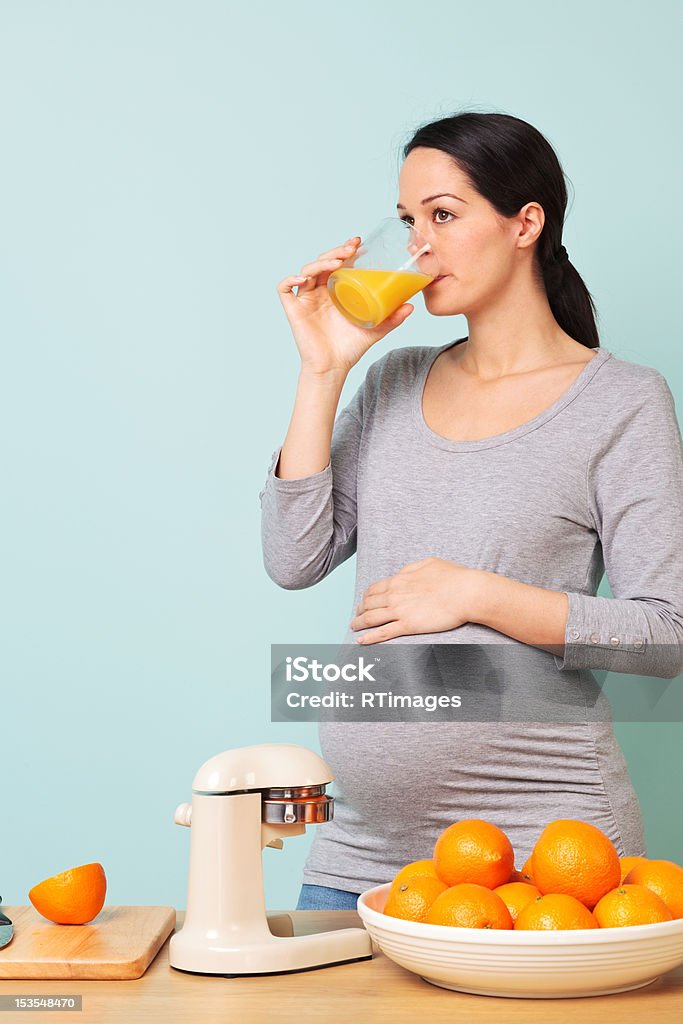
437, 279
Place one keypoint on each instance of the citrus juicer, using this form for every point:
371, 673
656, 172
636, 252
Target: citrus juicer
242, 801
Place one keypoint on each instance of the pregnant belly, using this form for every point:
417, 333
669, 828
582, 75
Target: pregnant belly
393, 774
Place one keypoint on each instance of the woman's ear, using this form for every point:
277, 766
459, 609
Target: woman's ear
531, 221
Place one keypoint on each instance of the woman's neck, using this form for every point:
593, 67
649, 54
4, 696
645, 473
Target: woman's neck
516, 333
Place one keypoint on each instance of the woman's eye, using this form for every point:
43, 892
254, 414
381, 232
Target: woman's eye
408, 219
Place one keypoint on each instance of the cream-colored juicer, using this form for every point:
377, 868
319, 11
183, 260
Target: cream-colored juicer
242, 801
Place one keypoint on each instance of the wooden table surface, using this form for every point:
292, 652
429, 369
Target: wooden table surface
371, 990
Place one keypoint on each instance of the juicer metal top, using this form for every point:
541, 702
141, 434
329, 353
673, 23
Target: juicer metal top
298, 803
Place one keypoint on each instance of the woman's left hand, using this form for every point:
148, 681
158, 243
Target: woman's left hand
429, 596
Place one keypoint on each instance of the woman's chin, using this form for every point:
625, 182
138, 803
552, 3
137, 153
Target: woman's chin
441, 305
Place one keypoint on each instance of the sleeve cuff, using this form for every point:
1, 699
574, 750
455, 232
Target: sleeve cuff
594, 638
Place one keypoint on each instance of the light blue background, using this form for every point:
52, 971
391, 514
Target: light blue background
163, 165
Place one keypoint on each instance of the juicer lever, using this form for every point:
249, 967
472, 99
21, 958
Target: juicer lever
183, 815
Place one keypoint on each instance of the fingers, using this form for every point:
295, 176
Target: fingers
373, 618
307, 280
288, 284
319, 265
392, 321
330, 259
378, 587
327, 261
371, 602
388, 632
346, 248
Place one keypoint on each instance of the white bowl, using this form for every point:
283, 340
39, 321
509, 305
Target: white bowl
525, 964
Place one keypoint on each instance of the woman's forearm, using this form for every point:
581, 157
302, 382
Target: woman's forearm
306, 448
534, 615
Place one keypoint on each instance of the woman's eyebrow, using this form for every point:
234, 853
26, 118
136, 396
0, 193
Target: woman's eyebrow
440, 195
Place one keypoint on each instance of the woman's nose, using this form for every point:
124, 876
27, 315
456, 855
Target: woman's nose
417, 244
424, 256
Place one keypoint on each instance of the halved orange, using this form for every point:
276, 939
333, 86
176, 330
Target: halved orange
75, 896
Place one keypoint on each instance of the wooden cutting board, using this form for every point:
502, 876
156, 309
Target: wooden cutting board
120, 942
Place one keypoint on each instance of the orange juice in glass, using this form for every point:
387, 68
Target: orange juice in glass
391, 265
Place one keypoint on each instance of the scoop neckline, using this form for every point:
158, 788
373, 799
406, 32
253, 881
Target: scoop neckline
586, 374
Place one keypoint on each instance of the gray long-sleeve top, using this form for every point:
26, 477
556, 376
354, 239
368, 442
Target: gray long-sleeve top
594, 483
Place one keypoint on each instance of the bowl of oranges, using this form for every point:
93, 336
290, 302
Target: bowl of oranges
576, 920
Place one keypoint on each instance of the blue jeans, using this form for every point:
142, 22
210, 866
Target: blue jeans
322, 897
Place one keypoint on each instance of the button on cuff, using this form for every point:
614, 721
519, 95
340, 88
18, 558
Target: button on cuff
611, 641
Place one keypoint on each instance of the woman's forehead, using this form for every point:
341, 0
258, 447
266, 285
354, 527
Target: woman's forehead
426, 171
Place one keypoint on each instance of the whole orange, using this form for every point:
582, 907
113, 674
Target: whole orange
630, 904
516, 895
626, 863
554, 911
469, 906
663, 877
75, 896
410, 900
526, 870
417, 868
577, 859
474, 851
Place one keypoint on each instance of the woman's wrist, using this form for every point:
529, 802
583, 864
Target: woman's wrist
534, 615
333, 378
482, 585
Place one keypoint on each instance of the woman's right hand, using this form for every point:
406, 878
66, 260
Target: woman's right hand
326, 340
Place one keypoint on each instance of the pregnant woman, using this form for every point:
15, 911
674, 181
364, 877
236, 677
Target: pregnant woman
486, 485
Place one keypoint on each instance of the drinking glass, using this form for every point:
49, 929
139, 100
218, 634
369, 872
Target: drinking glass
391, 265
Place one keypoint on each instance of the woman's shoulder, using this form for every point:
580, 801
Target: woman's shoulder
636, 409
400, 364
632, 383
407, 355
626, 369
